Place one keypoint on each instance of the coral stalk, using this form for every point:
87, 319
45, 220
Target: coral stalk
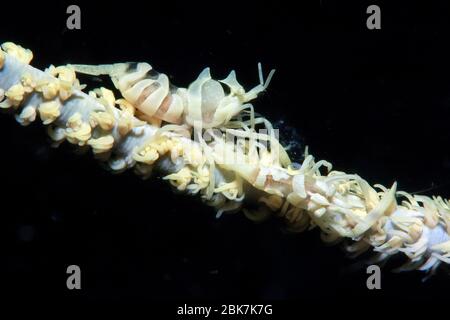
158, 126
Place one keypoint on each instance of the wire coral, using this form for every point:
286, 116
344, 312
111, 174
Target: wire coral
206, 142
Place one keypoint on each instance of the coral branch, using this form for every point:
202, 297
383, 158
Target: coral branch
151, 127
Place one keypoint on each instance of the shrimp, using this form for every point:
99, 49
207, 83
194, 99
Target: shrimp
203, 104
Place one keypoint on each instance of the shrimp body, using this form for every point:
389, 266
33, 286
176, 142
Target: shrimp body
203, 104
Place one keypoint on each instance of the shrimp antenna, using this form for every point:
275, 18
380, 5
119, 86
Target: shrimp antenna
265, 84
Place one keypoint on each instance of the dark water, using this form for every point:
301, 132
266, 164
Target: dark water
373, 102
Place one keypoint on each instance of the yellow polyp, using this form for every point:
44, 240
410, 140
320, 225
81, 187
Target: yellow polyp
201, 179
77, 132
28, 83
49, 89
103, 119
15, 94
406, 224
384, 207
75, 121
194, 156
126, 106
165, 147
108, 95
150, 151
66, 74
27, 115
444, 211
49, 111
21, 54
181, 179
105, 97
51, 70
64, 94
65, 91
146, 156
66, 82
162, 145
232, 189
79, 136
415, 231
102, 144
125, 124
176, 151
430, 210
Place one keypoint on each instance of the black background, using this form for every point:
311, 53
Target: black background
373, 102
